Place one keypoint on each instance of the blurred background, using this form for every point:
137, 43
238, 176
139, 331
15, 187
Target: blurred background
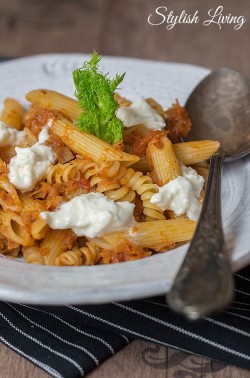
120, 27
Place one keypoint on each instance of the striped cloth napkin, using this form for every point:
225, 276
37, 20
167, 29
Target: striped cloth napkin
70, 341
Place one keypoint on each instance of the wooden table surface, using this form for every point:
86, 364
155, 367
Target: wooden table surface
116, 27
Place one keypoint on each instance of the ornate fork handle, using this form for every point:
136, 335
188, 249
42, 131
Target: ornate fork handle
204, 282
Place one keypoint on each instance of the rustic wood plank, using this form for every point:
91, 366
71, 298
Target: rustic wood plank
180, 364
127, 32
115, 27
138, 360
49, 26
13, 365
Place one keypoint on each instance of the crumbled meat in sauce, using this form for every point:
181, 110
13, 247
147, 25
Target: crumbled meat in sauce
7, 245
139, 147
154, 177
40, 191
138, 211
62, 152
178, 122
36, 121
125, 251
62, 192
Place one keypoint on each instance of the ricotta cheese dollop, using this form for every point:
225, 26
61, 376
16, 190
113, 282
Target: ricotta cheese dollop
140, 112
10, 136
31, 164
91, 215
181, 194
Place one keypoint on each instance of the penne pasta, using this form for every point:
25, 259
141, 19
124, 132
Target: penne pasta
156, 106
141, 165
7, 153
122, 101
31, 139
88, 145
30, 214
12, 227
172, 215
33, 255
39, 229
195, 152
164, 161
52, 100
56, 243
12, 113
152, 234
202, 170
9, 199
188, 153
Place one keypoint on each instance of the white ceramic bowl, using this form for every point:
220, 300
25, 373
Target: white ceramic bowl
20, 282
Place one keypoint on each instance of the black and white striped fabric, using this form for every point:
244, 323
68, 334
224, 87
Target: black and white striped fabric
70, 341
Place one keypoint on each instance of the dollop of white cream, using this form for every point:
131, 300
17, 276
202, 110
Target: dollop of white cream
91, 215
31, 164
44, 134
181, 194
140, 112
10, 136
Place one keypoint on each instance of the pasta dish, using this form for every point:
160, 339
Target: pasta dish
97, 179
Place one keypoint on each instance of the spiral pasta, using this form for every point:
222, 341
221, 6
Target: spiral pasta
90, 253
69, 258
89, 170
143, 186
60, 173
86, 255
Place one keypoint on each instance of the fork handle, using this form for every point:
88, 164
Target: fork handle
204, 283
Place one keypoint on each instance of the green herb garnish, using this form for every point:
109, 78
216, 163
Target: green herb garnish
95, 93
